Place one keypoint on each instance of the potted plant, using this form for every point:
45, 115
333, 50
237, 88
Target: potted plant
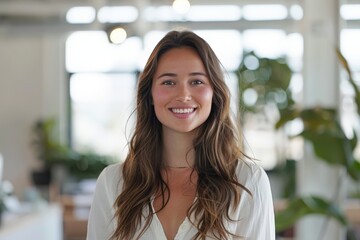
321, 128
48, 150
51, 153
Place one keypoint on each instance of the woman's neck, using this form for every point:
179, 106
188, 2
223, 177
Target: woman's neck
178, 151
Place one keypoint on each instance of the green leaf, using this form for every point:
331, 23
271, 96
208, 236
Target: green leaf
327, 146
323, 130
354, 170
287, 115
318, 119
303, 206
345, 64
280, 74
270, 80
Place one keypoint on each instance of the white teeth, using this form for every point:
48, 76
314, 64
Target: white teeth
182, 110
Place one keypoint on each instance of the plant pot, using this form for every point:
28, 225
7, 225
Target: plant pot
41, 177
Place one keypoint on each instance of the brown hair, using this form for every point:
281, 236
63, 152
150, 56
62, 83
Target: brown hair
217, 152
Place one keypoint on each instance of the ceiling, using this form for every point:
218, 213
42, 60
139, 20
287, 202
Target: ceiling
51, 13
22, 10
34, 16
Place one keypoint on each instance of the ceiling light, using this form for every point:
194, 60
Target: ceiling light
117, 14
181, 6
81, 15
117, 35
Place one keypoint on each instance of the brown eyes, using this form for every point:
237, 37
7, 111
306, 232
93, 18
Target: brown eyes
197, 82
168, 82
193, 82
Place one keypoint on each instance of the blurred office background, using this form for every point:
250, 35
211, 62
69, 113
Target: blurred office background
68, 73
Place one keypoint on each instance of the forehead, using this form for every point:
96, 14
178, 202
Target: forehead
183, 57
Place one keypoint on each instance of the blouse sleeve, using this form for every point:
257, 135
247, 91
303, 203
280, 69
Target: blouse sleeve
100, 222
260, 222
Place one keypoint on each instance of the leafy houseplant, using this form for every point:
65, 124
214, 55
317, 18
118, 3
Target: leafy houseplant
268, 79
78, 164
321, 128
47, 149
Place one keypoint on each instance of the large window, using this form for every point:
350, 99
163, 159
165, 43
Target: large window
103, 75
102, 91
102, 104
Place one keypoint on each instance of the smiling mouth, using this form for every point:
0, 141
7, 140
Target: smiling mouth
182, 110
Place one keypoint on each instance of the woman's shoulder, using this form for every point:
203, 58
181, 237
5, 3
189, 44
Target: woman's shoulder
111, 177
251, 174
113, 169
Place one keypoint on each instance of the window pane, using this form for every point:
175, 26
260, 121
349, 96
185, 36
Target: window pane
350, 39
101, 107
264, 12
118, 14
228, 48
265, 43
103, 101
90, 51
214, 13
350, 11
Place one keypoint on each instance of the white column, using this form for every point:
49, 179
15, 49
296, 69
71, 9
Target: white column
321, 88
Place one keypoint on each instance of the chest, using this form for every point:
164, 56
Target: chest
180, 197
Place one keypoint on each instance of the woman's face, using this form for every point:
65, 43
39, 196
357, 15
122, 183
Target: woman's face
181, 90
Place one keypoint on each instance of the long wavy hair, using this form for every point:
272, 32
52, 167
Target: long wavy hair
217, 152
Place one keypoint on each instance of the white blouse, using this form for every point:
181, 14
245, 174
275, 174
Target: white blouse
255, 213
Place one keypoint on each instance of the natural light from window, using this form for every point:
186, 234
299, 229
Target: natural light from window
264, 12
103, 76
102, 104
350, 11
90, 51
123, 14
81, 15
195, 13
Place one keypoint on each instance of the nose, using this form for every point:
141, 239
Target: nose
184, 94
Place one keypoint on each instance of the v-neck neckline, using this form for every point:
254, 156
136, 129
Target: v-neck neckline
183, 225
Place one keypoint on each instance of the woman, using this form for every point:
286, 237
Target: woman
185, 176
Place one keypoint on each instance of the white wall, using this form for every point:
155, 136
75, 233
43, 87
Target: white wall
31, 86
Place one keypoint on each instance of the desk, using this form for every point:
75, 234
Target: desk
76, 213
44, 223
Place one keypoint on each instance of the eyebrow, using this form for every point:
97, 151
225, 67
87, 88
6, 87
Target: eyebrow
174, 75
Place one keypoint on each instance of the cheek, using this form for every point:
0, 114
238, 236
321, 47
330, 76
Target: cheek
206, 95
159, 96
